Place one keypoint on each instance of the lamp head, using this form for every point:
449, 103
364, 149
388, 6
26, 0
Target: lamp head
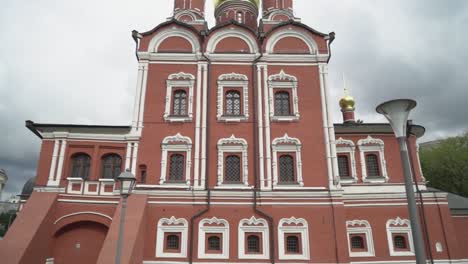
127, 182
397, 112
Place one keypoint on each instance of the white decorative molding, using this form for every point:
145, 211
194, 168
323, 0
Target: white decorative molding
360, 227
293, 226
283, 81
153, 46
254, 225
176, 143
81, 213
172, 225
371, 144
289, 33
214, 225
233, 80
233, 145
233, 32
399, 226
174, 81
287, 144
344, 146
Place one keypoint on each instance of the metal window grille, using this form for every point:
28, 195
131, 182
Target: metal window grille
253, 244
176, 169
400, 242
372, 165
80, 166
172, 242
292, 244
233, 103
232, 173
180, 103
282, 104
357, 242
214, 243
286, 169
111, 166
343, 166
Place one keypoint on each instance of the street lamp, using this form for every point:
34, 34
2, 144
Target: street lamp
127, 182
397, 112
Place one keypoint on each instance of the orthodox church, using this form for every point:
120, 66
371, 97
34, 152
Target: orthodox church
236, 157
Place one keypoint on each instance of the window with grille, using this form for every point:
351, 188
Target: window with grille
143, 173
286, 169
343, 166
80, 166
232, 171
111, 166
180, 103
399, 242
172, 242
282, 104
357, 242
214, 243
176, 168
292, 244
233, 103
253, 244
372, 163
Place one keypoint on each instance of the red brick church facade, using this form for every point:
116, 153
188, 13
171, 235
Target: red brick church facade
236, 157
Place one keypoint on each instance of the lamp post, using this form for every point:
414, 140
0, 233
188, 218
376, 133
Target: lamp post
127, 182
397, 112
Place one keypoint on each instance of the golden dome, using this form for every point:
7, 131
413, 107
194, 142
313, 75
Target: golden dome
347, 103
219, 2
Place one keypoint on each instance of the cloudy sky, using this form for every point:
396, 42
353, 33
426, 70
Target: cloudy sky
73, 62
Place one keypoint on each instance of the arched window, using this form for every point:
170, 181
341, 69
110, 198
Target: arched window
282, 104
233, 103
232, 172
357, 242
343, 166
180, 103
286, 169
372, 164
240, 17
253, 244
176, 168
111, 166
214, 243
172, 242
80, 164
399, 242
292, 244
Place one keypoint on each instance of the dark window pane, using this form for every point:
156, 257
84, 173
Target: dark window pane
172, 242
372, 165
400, 242
80, 166
176, 168
282, 104
357, 242
233, 103
214, 243
111, 166
286, 169
180, 103
292, 244
253, 244
343, 166
232, 173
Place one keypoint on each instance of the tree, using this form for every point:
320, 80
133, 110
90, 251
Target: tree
445, 164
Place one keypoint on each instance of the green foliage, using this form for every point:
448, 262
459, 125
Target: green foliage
445, 165
5, 220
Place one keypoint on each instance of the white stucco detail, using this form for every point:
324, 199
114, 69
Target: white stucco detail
254, 225
371, 144
179, 80
233, 145
287, 144
233, 80
176, 143
283, 81
293, 225
399, 226
172, 225
210, 226
344, 146
360, 227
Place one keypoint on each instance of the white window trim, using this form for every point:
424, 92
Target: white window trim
233, 80
348, 147
233, 145
182, 80
254, 225
303, 230
173, 225
181, 144
222, 228
404, 227
283, 81
371, 144
361, 227
282, 145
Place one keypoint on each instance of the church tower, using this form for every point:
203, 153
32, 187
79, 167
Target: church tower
243, 11
191, 12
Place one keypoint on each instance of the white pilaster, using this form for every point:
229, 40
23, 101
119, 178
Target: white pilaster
128, 155
203, 142
261, 158
134, 157
53, 163
267, 126
60, 163
196, 167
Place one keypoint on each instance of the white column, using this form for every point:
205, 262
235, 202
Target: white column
196, 166
134, 157
128, 155
142, 97
260, 128
267, 126
203, 142
136, 109
53, 163
60, 163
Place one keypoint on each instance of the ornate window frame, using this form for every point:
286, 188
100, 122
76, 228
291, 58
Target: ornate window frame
345, 146
220, 226
176, 143
183, 80
371, 144
287, 144
233, 145
293, 226
399, 226
233, 80
253, 225
171, 225
283, 81
356, 227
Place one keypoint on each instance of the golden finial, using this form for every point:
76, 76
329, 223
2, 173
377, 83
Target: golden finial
347, 103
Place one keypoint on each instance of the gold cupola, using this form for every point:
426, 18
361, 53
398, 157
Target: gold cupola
347, 103
219, 2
